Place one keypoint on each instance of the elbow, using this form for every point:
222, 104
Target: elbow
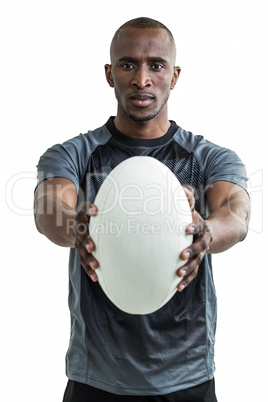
37, 215
244, 231
241, 215
37, 224
244, 223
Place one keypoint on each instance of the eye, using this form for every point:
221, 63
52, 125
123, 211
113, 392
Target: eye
157, 67
127, 66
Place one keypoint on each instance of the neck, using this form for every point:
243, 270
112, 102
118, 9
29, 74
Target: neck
150, 129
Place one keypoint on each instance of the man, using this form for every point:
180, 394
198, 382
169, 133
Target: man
167, 355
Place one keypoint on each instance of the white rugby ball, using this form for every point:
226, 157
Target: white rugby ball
139, 233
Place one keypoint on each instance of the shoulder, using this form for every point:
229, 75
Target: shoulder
215, 161
79, 147
69, 159
86, 142
187, 139
204, 151
197, 144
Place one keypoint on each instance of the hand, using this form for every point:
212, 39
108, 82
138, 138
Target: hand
83, 242
196, 252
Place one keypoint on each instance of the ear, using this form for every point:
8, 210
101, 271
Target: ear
108, 73
175, 77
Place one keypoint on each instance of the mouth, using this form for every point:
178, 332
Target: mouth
141, 100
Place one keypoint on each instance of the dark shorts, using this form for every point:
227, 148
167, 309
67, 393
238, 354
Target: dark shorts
77, 392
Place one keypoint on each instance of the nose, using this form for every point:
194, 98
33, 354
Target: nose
141, 78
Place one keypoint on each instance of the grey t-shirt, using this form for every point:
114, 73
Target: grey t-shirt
172, 348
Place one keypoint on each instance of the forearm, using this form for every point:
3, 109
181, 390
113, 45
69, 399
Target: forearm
229, 225
55, 219
226, 225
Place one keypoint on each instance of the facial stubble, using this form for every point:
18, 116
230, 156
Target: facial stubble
134, 117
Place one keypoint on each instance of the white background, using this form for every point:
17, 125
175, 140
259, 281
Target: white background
52, 87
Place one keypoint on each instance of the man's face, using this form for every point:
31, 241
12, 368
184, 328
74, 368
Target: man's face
142, 72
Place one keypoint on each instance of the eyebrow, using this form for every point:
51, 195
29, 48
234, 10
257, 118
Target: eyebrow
151, 59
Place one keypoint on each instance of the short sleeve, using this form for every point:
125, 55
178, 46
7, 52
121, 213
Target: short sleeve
66, 160
218, 163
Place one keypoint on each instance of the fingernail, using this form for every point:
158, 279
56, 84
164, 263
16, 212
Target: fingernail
92, 277
92, 211
181, 287
192, 229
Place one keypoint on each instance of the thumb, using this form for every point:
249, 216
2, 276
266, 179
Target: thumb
189, 192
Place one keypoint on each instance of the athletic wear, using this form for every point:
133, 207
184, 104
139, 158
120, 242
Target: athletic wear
77, 392
173, 348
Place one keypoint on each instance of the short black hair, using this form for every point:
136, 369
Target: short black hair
143, 23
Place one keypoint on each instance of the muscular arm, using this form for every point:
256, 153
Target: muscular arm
226, 225
55, 217
229, 215
54, 210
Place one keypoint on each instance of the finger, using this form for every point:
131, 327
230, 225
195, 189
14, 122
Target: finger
191, 265
86, 257
91, 273
86, 206
90, 264
90, 245
203, 238
91, 261
187, 280
93, 276
92, 211
198, 227
81, 225
81, 231
189, 192
200, 245
81, 228
189, 271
